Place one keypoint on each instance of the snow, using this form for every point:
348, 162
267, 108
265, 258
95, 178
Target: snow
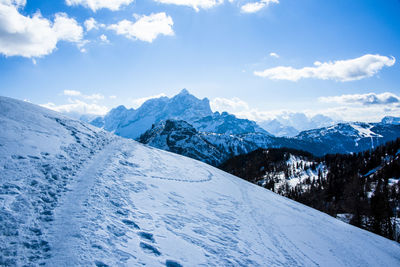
365, 131
74, 195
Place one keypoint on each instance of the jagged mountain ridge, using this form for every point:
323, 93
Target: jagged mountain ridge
72, 194
231, 136
131, 123
340, 138
182, 138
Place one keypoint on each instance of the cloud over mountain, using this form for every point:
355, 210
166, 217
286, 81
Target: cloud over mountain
339, 70
363, 99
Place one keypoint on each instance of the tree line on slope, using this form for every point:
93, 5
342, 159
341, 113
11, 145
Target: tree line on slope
365, 186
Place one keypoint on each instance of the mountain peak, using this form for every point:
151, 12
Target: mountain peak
184, 91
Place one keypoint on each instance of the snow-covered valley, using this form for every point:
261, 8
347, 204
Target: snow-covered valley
75, 195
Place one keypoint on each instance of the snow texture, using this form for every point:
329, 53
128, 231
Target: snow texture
75, 195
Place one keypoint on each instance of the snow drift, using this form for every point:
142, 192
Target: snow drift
72, 194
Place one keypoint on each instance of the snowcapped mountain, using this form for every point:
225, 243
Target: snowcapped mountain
225, 123
391, 120
75, 195
182, 138
291, 124
132, 123
278, 129
348, 137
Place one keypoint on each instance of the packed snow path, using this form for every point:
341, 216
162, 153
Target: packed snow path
73, 195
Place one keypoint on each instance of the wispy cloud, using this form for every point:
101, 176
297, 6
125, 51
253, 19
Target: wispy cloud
95, 5
257, 6
363, 99
195, 4
34, 36
273, 54
78, 94
72, 93
104, 38
347, 108
145, 28
231, 105
340, 70
92, 24
78, 106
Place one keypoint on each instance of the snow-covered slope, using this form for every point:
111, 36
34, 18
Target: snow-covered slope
73, 195
349, 137
391, 120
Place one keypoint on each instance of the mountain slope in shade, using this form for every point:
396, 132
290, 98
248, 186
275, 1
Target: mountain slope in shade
225, 123
213, 148
182, 138
74, 195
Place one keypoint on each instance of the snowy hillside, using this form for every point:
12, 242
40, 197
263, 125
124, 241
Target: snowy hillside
74, 195
349, 137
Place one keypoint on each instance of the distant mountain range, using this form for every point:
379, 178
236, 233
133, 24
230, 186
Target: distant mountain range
186, 125
291, 124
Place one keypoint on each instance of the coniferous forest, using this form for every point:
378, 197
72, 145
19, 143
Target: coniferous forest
360, 188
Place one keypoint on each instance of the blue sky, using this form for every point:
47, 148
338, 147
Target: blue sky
334, 57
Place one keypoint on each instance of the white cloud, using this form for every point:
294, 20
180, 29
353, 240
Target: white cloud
146, 28
363, 99
104, 38
91, 24
94, 97
340, 70
72, 93
275, 55
195, 4
34, 36
112, 96
137, 102
372, 113
78, 106
79, 94
257, 6
18, 3
233, 105
95, 5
